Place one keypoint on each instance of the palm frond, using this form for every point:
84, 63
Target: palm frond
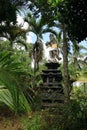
50, 30
23, 43
10, 72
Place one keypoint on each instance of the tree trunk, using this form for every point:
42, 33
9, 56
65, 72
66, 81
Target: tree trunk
35, 64
65, 65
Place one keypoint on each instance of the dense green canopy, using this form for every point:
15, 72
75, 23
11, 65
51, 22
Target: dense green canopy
73, 13
8, 10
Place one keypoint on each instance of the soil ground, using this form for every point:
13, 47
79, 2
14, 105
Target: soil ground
9, 121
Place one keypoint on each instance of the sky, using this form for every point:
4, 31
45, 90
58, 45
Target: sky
31, 37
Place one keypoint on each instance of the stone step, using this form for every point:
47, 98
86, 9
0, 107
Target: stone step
51, 90
52, 105
51, 70
51, 74
51, 84
52, 96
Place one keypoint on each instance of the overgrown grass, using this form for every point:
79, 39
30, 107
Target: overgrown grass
70, 119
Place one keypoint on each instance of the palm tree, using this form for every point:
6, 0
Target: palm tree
37, 53
76, 57
14, 33
38, 27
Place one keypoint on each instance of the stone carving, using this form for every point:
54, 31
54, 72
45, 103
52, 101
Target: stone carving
54, 50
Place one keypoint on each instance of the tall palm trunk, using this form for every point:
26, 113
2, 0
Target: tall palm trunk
37, 53
35, 64
65, 65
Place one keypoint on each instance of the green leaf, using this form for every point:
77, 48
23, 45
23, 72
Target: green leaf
54, 2
12, 94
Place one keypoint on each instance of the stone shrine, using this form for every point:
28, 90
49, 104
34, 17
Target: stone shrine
52, 95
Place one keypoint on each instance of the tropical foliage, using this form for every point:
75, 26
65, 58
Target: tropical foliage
19, 82
10, 91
